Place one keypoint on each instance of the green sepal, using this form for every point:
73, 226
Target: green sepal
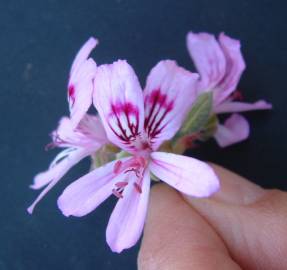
179, 146
198, 115
96, 160
122, 154
104, 155
166, 147
111, 148
210, 128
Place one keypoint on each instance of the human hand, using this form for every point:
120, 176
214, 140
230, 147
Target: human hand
243, 226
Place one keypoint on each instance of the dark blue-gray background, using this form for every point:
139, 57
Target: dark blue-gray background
38, 40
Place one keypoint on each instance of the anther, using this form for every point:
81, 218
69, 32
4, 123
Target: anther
131, 170
117, 194
138, 188
237, 95
117, 166
50, 146
142, 161
121, 184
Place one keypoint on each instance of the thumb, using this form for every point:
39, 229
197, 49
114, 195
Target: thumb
251, 221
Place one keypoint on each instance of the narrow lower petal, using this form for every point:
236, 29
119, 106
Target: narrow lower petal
235, 106
63, 162
186, 174
168, 95
234, 130
56, 161
235, 65
127, 220
118, 98
208, 58
55, 173
85, 194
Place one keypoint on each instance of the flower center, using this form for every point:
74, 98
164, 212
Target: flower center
135, 165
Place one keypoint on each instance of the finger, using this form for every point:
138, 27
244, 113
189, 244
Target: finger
251, 221
177, 237
235, 189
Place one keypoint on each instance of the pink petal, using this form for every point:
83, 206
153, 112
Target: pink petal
80, 86
85, 194
118, 98
52, 176
235, 65
186, 174
84, 53
234, 106
169, 93
234, 130
92, 128
56, 167
208, 58
127, 220
89, 133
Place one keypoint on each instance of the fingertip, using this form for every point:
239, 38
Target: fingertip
177, 237
251, 220
235, 189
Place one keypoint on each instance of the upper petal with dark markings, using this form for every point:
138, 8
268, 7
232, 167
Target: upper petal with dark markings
118, 98
169, 93
80, 86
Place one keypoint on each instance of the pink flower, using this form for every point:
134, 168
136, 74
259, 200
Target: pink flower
81, 134
220, 65
79, 143
138, 122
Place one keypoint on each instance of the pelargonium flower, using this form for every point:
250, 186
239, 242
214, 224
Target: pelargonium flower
220, 65
79, 143
81, 134
138, 122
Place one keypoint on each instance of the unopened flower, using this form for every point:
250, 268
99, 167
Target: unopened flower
81, 135
220, 65
138, 122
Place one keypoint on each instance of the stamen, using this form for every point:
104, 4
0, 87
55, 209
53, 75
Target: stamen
136, 171
142, 161
121, 184
57, 140
117, 166
117, 194
50, 146
138, 187
134, 165
237, 95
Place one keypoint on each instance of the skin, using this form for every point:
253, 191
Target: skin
243, 226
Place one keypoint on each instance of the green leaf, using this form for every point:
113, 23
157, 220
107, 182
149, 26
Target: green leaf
198, 115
